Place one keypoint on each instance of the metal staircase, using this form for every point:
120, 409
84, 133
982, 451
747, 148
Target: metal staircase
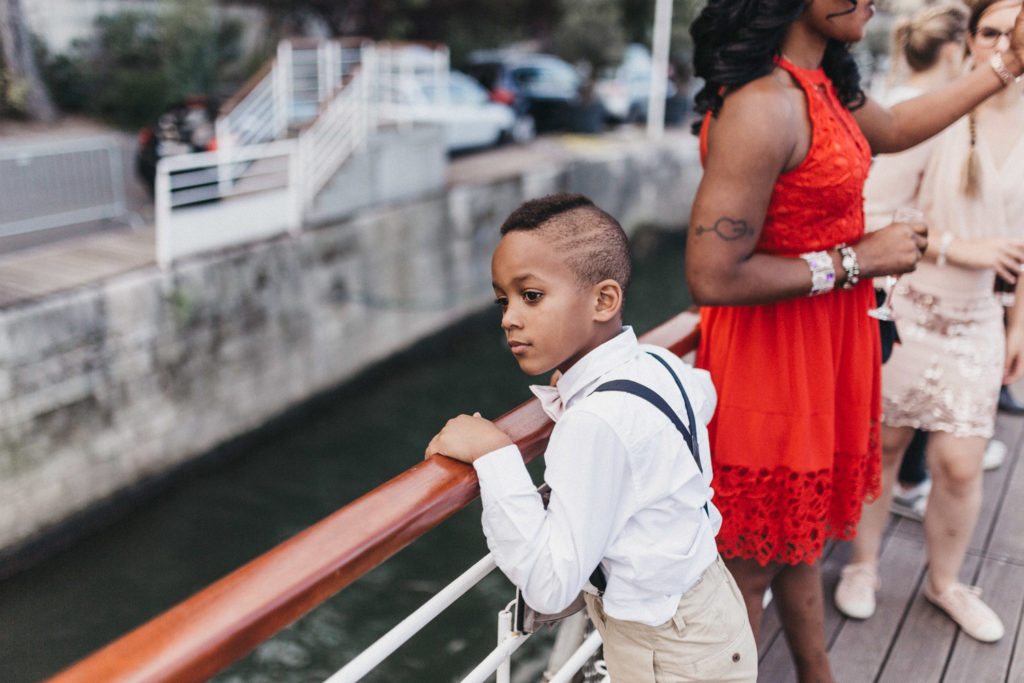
282, 138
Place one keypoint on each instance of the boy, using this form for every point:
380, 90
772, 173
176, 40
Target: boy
627, 495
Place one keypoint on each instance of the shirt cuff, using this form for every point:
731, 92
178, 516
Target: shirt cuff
503, 467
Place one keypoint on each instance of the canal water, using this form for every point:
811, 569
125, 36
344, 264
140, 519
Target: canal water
270, 485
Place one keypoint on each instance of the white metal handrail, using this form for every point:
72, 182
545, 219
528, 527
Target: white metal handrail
341, 86
215, 199
497, 661
340, 129
412, 624
44, 186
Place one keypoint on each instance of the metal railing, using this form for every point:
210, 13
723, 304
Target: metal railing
57, 184
217, 626
330, 92
212, 200
337, 132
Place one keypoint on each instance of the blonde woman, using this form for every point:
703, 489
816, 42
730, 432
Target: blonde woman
946, 374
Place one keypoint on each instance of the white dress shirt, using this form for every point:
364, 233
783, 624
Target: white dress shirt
625, 490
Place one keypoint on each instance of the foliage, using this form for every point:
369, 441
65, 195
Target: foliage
590, 31
138, 63
13, 94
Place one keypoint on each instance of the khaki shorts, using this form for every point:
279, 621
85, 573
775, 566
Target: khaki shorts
708, 639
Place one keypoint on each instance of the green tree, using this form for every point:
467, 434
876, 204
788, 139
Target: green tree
140, 62
22, 88
591, 31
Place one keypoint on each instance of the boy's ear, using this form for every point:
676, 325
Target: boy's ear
607, 301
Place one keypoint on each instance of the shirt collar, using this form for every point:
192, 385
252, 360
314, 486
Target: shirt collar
586, 372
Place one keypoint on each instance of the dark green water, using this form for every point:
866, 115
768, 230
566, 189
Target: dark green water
290, 476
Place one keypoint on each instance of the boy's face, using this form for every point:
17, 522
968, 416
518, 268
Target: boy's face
549, 321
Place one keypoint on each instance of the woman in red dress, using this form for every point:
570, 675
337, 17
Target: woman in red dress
778, 259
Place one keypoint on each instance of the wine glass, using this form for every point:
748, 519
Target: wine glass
904, 214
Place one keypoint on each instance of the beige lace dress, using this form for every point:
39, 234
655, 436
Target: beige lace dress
946, 373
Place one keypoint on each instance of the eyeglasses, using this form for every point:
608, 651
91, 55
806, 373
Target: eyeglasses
988, 36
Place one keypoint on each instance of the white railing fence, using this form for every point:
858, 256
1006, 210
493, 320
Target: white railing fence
399, 64
58, 184
337, 132
212, 200
333, 93
497, 662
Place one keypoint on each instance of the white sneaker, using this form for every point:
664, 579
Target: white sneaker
912, 502
855, 594
995, 454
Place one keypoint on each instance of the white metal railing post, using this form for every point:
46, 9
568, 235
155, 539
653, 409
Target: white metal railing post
504, 672
222, 132
162, 214
296, 189
324, 72
368, 81
224, 170
283, 88
116, 171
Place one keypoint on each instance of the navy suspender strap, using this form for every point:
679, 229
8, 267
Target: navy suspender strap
652, 397
689, 435
691, 442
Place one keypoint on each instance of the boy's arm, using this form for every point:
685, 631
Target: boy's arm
550, 554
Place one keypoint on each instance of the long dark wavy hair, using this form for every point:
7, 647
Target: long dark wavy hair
736, 41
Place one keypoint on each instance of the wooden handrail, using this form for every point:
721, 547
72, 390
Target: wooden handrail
222, 623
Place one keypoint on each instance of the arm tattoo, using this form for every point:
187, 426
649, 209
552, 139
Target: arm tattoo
728, 229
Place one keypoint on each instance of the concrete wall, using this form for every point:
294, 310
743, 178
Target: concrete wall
105, 386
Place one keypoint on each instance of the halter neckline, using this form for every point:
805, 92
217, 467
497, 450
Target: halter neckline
814, 76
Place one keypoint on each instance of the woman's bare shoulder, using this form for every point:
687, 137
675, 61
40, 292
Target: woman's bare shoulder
758, 115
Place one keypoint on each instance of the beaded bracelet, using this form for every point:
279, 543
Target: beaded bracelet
999, 66
850, 265
823, 273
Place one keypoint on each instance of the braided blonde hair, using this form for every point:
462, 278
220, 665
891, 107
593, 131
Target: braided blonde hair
971, 176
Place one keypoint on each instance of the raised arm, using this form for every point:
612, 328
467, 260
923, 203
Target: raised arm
915, 120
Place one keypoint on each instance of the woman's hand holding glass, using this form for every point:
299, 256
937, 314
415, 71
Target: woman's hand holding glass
914, 218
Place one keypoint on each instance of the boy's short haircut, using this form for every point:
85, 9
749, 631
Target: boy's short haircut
594, 243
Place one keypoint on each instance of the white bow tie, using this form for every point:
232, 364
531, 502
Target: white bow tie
550, 400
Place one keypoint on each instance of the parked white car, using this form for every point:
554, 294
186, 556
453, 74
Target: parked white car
624, 90
461, 107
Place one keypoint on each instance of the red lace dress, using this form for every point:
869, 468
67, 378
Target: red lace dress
795, 439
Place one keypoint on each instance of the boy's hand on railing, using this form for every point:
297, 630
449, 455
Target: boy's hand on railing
466, 438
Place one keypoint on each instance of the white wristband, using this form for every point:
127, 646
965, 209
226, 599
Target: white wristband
947, 239
999, 66
823, 272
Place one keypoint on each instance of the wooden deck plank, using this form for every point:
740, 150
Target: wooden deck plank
974, 661
861, 648
43, 270
909, 640
918, 652
1007, 539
